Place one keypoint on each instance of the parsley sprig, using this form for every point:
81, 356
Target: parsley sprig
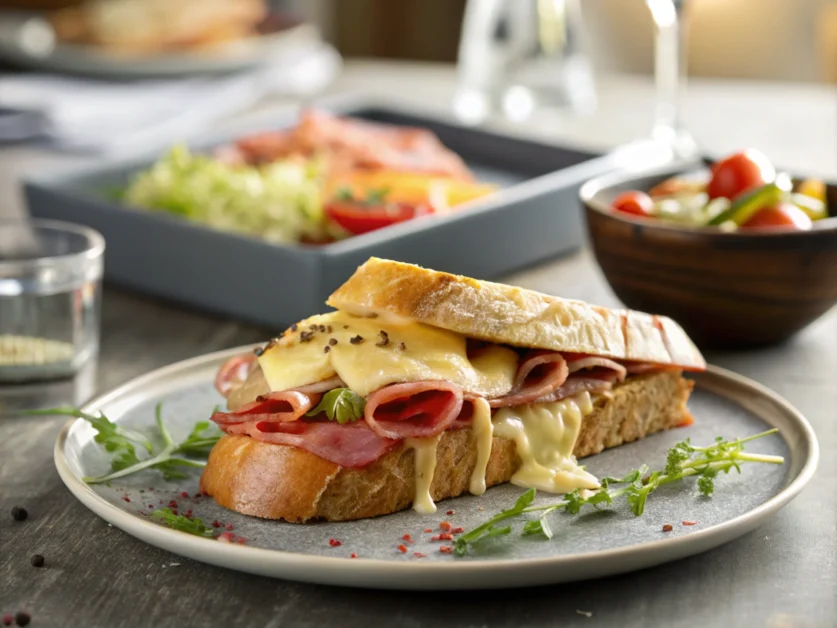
341, 405
195, 526
682, 461
122, 443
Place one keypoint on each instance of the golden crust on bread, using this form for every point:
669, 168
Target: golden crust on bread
283, 482
509, 315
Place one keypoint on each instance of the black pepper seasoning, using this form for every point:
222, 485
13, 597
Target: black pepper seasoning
332, 341
402, 346
345, 326
258, 351
37, 560
19, 513
326, 349
356, 340
384, 339
23, 619
306, 336
328, 329
322, 328
294, 327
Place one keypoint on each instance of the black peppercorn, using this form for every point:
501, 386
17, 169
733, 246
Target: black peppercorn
37, 560
19, 513
22, 619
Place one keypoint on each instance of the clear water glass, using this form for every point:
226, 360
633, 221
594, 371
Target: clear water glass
50, 294
518, 56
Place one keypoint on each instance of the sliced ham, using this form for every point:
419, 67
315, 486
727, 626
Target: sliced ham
413, 409
596, 382
286, 406
234, 372
593, 362
639, 368
539, 373
351, 445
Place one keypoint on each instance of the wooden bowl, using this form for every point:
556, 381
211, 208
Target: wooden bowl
727, 289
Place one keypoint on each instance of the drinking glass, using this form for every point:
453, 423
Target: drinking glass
516, 56
50, 276
670, 69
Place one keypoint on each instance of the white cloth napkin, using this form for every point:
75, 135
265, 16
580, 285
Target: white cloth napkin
106, 117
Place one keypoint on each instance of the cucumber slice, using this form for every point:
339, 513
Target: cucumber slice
746, 206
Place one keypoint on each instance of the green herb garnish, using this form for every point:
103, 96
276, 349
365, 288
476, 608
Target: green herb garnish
682, 461
341, 405
376, 196
181, 522
121, 441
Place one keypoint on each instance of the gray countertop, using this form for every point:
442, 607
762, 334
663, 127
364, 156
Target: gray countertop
783, 574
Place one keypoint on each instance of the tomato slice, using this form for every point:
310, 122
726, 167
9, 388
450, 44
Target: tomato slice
636, 203
358, 217
782, 215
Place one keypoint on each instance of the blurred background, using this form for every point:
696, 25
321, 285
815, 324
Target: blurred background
789, 40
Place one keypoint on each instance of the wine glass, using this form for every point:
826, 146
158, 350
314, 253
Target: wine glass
669, 140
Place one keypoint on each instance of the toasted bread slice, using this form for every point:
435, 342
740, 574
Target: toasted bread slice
509, 315
283, 482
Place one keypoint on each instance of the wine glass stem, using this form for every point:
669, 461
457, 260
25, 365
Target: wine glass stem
670, 69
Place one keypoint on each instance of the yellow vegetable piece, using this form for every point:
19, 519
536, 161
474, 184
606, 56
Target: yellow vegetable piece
409, 187
815, 188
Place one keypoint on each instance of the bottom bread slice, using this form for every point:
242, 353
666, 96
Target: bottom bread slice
284, 482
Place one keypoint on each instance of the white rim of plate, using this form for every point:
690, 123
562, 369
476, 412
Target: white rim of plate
366, 572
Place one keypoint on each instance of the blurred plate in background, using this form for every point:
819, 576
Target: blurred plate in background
28, 39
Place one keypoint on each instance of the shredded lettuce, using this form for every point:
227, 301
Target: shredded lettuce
279, 202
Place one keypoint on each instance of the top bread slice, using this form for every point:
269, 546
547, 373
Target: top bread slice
514, 316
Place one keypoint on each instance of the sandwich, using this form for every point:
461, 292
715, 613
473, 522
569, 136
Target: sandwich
421, 386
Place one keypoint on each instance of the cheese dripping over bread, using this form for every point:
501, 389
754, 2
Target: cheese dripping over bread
370, 352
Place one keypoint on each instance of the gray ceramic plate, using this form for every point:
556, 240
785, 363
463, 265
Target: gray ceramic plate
586, 546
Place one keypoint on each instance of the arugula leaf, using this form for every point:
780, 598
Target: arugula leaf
682, 461
120, 442
183, 523
341, 405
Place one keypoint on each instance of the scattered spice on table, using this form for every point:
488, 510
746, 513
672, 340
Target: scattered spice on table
690, 523
450, 512
446, 526
22, 618
19, 513
37, 560
446, 549
408, 538
667, 527
402, 548
335, 542
428, 530
8, 619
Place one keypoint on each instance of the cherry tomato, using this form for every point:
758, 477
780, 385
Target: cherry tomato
359, 217
781, 215
740, 173
636, 203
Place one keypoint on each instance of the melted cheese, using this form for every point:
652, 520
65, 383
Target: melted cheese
545, 435
425, 454
483, 433
427, 353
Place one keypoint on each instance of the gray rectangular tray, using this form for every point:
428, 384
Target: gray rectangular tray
534, 216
